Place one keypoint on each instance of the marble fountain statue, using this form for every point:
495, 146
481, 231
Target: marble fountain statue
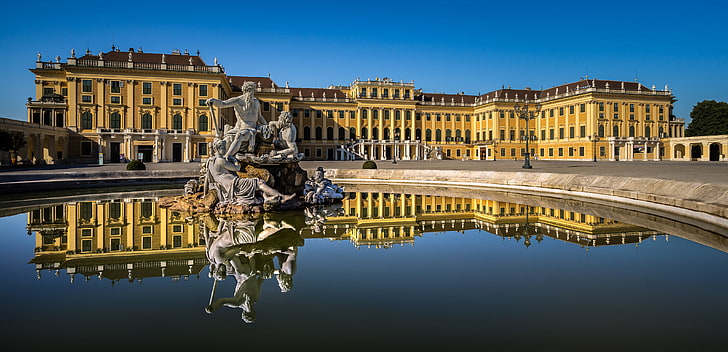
253, 167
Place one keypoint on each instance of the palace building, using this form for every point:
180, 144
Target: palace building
127, 105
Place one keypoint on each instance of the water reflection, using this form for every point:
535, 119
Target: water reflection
246, 248
133, 239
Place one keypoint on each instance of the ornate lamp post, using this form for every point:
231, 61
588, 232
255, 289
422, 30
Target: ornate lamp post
524, 113
394, 150
594, 139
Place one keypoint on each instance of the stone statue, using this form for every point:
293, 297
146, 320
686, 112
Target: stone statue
249, 120
320, 190
285, 140
233, 189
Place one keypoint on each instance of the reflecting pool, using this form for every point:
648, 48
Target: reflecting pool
385, 269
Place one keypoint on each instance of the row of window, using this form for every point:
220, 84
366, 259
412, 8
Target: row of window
115, 88
146, 121
374, 93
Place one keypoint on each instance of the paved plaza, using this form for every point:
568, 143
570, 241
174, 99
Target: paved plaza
700, 172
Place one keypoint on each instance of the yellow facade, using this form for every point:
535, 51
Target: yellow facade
134, 104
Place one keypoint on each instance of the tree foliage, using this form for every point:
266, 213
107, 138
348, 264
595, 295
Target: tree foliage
11, 140
709, 118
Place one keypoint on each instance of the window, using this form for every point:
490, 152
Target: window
203, 90
447, 117
115, 120
177, 101
294, 113
551, 113
601, 106
48, 91
571, 109
115, 87
86, 213
85, 148
319, 114
147, 101
561, 133
582, 108
202, 149
114, 212
146, 211
406, 94
561, 151
571, 151
647, 108
86, 86
385, 93
386, 114
266, 106
115, 244
279, 106
147, 88
86, 120
147, 121
352, 114
177, 122
202, 123
438, 117
571, 131
375, 114
330, 114
116, 231
582, 131
115, 99
87, 99
374, 93
616, 107
306, 113
341, 114
177, 89
201, 102
176, 241
551, 133
631, 107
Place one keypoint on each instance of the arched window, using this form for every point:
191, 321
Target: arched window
319, 133
615, 131
467, 136
86, 120
660, 132
306, 133
115, 120
631, 131
418, 134
448, 135
375, 133
375, 114
397, 134
48, 118
438, 135
458, 136
352, 133
147, 121
407, 134
386, 133
365, 114
342, 133
364, 133
647, 132
177, 122
329, 133
428, 135
601, 130
202, 123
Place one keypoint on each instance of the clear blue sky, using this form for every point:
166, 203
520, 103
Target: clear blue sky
444, 46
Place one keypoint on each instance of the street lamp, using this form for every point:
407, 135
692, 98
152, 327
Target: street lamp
524, 113
394, 150
594, 139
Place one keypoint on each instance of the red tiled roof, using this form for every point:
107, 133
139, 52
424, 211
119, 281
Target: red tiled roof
237, 82
317, 93
447, 98
173, 59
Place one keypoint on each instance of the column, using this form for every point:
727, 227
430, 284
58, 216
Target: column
187, 149
611, 151
155, 154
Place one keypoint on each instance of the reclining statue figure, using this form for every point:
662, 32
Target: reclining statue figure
233, 189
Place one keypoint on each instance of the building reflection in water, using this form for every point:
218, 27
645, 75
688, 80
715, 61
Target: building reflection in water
133, 239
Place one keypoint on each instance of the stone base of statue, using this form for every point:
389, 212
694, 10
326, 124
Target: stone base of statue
191, 203
287, 178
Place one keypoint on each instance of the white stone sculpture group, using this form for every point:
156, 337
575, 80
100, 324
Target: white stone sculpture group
238, 144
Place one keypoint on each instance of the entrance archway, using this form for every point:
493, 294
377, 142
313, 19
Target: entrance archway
696, 151
714, 151
679, 151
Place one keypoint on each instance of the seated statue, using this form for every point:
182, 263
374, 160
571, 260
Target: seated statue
233, 189
320, 190
285, 141
249, 121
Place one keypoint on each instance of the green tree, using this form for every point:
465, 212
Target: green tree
709, 118
12, 142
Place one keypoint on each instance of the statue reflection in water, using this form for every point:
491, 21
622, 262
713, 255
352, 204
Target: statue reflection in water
247, 248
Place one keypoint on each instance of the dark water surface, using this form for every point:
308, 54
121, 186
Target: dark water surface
385, 271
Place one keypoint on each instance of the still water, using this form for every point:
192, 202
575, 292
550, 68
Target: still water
384, 269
